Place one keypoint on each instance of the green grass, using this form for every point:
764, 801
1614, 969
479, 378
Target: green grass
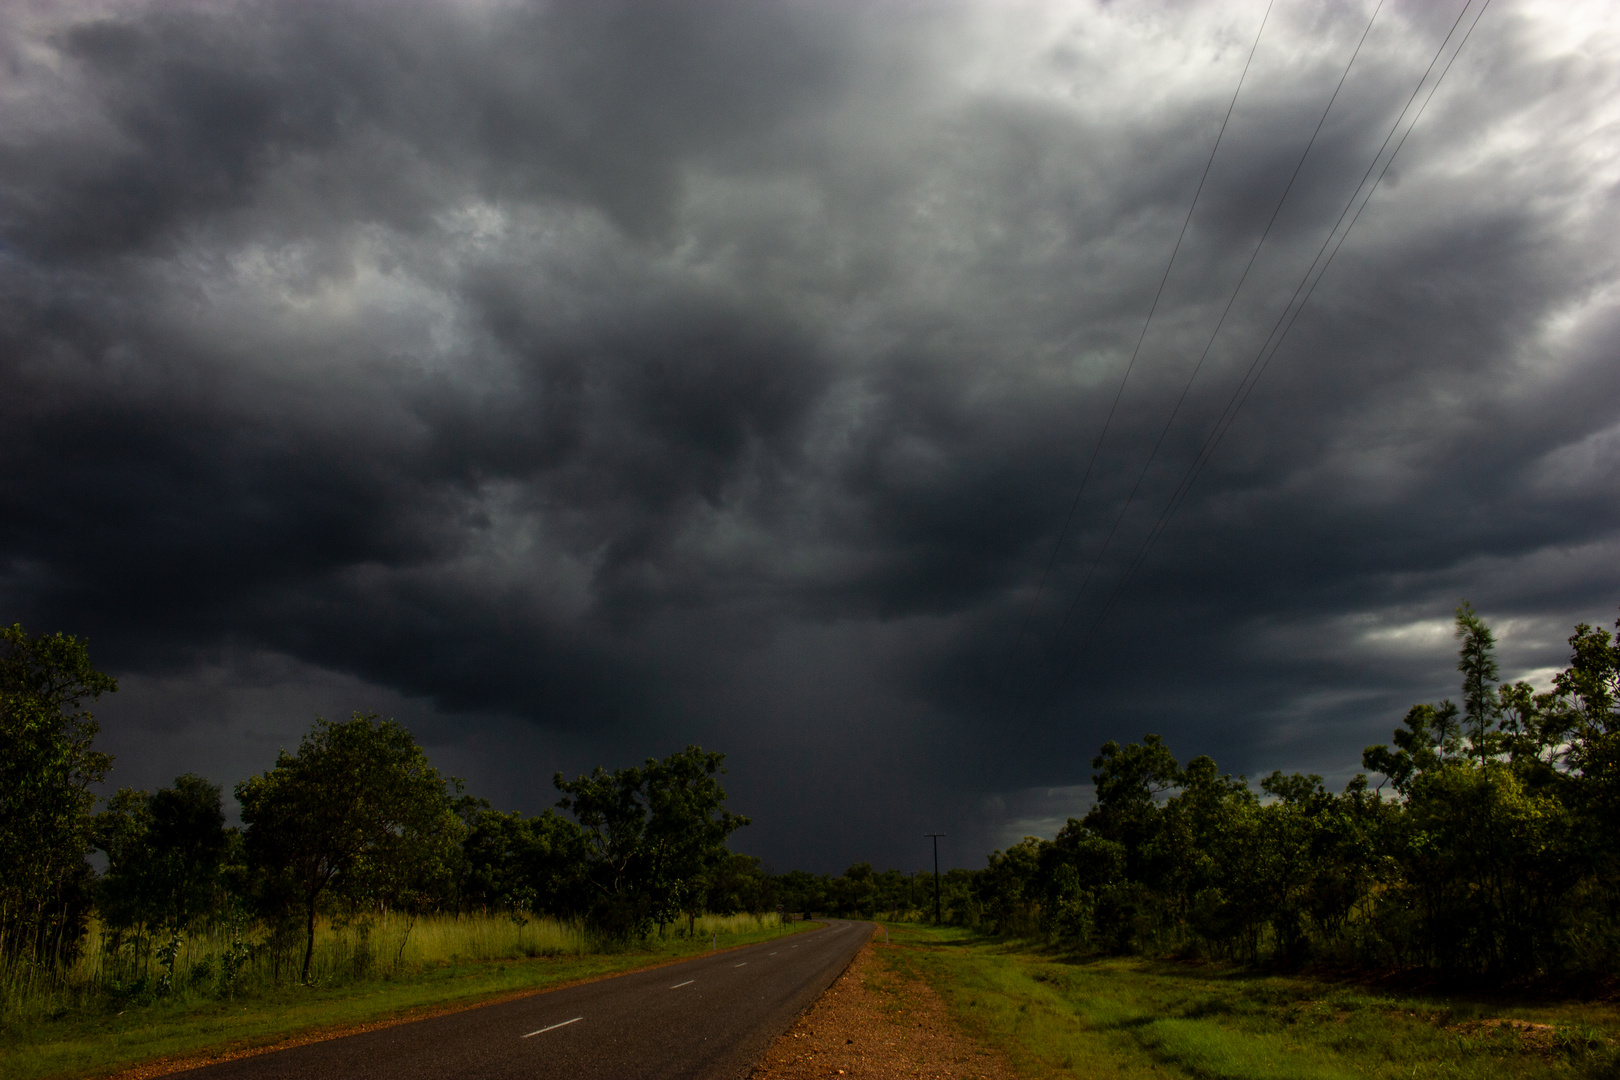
446, 963
1141, 1018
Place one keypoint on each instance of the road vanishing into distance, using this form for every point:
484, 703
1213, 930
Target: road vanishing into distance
711, 1017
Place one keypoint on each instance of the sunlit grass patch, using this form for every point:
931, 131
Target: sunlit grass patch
1200, 1048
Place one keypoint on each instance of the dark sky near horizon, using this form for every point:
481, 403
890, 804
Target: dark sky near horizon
576, 381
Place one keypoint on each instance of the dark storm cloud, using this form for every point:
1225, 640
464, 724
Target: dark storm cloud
582, 380
187, 112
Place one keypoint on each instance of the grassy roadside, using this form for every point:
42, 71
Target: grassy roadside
1139, 1019
90, 1042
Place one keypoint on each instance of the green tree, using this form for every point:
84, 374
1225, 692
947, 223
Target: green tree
736, 883
652, 834
855, 892
1128, 782
1492, 865
164, 854
1315, 859
803, 892
358, 813
1588, 695
47, 767
123, 832
1476, 659
1427, 738
1011, 887
1485, 840
1207, 832
519, 864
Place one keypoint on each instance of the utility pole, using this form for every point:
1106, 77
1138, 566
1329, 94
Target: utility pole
936, 836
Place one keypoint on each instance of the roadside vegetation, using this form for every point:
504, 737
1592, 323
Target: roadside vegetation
1191, 925
361, 882
1488, 850
361, 976
1134, 1017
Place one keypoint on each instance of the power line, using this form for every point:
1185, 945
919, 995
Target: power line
1228, 418
1290, 315
1263, 358
1130, 499
1068, 519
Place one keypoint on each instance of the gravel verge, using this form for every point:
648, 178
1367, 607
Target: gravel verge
872, 1022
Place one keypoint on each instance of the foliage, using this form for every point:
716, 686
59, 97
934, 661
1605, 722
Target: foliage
518, 864
357, 863
47, 767
652, 836
861, 892
165, 854
355, 827
1498, 852
358, 814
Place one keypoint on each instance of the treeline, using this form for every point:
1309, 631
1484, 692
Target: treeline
1490, 844
355, 823
860, 892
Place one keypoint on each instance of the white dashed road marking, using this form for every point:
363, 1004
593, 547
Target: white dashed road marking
554, 1027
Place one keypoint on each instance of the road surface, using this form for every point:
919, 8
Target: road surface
708, 1018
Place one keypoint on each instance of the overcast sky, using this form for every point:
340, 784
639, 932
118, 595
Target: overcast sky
577, 381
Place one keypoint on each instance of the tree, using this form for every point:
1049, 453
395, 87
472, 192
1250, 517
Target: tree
652, 834
855, 892
47, 766
358, 813
1009, 887
802, 891
1206, 832
1476, 659
189, 842
1128, 781
1422, 743
1490, 862
736, 883
1500, 853
1588, 694
123, 832
520, 864
163, 855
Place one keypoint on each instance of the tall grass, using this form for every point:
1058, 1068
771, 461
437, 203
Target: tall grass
228, 959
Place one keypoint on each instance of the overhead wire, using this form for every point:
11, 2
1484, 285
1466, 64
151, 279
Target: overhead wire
1290, 314
1068, 519
1130, 499
1247, 386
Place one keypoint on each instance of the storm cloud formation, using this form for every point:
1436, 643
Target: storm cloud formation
577, 381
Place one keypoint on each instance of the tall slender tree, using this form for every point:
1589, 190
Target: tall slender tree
47, 767
1476, 659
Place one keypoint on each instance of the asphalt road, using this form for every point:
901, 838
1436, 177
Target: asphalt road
711, 1017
